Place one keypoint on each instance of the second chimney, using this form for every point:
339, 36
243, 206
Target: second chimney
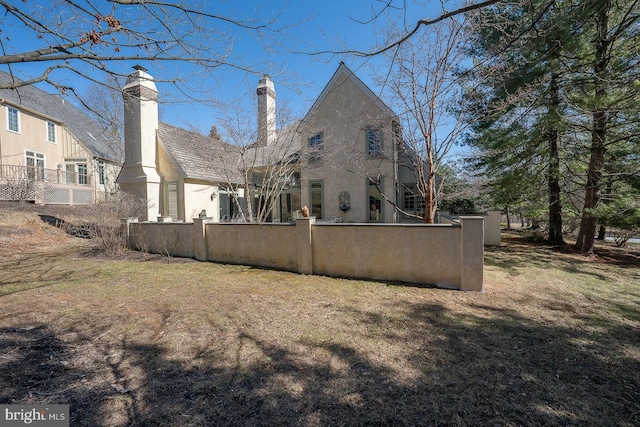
266, 111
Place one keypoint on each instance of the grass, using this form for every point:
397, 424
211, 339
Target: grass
146, 340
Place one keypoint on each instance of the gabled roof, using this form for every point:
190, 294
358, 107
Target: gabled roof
344, 70
91, 135
200, 157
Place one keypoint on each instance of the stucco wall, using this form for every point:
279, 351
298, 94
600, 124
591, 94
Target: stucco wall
445, 255
198, 198
265, 245
66, 149
175, 239
410, 253
33, 137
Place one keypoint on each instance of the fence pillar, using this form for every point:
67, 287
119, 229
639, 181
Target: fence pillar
38, 192
492, 228
305, 255
199, 239
472, 235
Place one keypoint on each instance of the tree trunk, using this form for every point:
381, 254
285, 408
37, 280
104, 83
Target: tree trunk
602, 230
429, 203
506, 209
430, 194
555, 207
586, 235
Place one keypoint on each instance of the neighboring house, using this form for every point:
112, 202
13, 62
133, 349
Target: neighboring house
51, 152
345, 160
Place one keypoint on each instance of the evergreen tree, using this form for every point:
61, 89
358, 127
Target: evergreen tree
610, 94
552, 76
522, 66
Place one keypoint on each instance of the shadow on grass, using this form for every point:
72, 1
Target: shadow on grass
516, 261
32, 272
490, 368
520, 253
37, 367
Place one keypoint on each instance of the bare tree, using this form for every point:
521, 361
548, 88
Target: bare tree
423, 87
394, 12
262, 171
106, 106
70, 39
90, 39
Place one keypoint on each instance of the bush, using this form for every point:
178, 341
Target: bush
102, 221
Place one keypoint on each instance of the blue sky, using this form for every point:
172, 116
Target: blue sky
309, 27
330, 25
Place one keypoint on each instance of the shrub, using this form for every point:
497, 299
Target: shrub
102, 221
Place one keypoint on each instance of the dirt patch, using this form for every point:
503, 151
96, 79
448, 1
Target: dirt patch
22, 228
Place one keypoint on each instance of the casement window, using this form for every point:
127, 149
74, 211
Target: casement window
316, 142
316, 189
83, 176
374, 142
409, 203
51, 132
290, 198
70, 170
13, 119
376, 213
35, 165
171, 199
101, 179
413, 202
316, 145
77, 173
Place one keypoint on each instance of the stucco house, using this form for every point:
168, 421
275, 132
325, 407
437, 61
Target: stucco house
51, 152
351, 154
344, 160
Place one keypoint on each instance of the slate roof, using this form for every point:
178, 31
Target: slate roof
201, 157
93, 136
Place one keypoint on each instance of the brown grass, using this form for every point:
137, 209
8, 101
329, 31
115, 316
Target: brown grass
146, 340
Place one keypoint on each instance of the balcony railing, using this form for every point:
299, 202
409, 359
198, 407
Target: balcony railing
35, 173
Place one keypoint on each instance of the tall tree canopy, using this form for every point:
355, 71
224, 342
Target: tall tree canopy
554, 77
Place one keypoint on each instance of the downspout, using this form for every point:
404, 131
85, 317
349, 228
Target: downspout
2, 102
95, 182
396, 190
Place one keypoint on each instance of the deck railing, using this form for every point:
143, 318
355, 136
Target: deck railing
35, 173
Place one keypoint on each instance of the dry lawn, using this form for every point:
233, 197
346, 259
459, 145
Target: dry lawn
146, 340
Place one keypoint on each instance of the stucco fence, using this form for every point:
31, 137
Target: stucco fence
445, 255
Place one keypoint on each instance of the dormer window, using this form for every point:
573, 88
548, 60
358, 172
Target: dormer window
51, 132
13, 119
